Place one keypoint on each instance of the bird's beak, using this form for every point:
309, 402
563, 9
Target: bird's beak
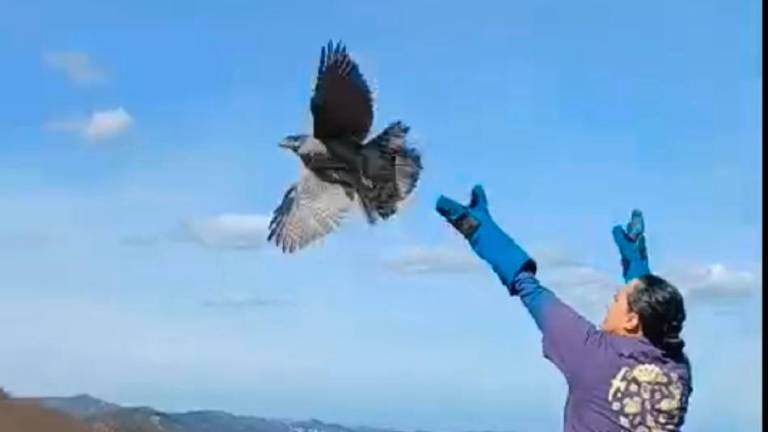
286, 144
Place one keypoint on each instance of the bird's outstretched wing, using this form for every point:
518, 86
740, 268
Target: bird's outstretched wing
310, 209
342, 106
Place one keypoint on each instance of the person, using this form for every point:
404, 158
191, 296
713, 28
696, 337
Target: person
631, 374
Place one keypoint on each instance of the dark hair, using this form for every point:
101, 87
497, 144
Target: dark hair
659, 306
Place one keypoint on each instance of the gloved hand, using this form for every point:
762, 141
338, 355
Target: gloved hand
488, 241
631, 244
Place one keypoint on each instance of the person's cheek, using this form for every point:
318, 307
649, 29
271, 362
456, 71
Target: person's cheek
607, 318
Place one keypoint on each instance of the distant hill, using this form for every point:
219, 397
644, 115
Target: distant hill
21, 416
79, 406
132, 420
84, 413
103, 416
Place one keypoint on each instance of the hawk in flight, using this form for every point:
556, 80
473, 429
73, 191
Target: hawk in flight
341, 166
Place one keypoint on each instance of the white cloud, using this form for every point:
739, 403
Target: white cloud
224, 231
587, 288
26, 240
100, 126
715, 282
696, 282
107, 124
581, 283
556, 269
77, 66
581, 278
242, 302
555, 258
71, 125
230, 231
422, 259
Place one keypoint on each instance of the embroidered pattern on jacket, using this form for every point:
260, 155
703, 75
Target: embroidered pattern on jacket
646, 398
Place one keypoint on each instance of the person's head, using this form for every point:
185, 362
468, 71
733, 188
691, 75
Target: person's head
648, 307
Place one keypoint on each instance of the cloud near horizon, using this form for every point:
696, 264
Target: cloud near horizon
242, 303
229, 231
78, 67
432, 260
99, 126
581, 281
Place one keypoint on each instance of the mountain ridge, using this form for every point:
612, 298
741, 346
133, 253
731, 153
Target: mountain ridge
102, 416
105, 416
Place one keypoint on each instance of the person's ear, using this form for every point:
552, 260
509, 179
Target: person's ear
632, 323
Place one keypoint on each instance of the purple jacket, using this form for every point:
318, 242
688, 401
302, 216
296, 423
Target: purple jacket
615, 383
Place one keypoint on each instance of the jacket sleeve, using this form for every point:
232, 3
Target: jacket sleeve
568, 339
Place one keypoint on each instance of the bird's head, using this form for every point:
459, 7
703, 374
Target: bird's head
293, 142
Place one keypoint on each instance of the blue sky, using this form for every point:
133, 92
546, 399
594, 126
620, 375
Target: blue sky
139, 164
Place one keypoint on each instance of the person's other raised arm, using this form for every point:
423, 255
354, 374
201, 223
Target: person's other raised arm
566, 334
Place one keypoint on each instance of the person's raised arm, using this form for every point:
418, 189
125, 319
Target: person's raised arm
566, 334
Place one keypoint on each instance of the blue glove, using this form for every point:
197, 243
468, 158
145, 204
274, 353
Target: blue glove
488, 241
631, 244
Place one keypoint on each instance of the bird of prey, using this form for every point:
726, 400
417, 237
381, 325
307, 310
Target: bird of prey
340, 167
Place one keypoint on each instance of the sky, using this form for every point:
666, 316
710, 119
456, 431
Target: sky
139, 167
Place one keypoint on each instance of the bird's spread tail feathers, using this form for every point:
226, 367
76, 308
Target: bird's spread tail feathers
391, 171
